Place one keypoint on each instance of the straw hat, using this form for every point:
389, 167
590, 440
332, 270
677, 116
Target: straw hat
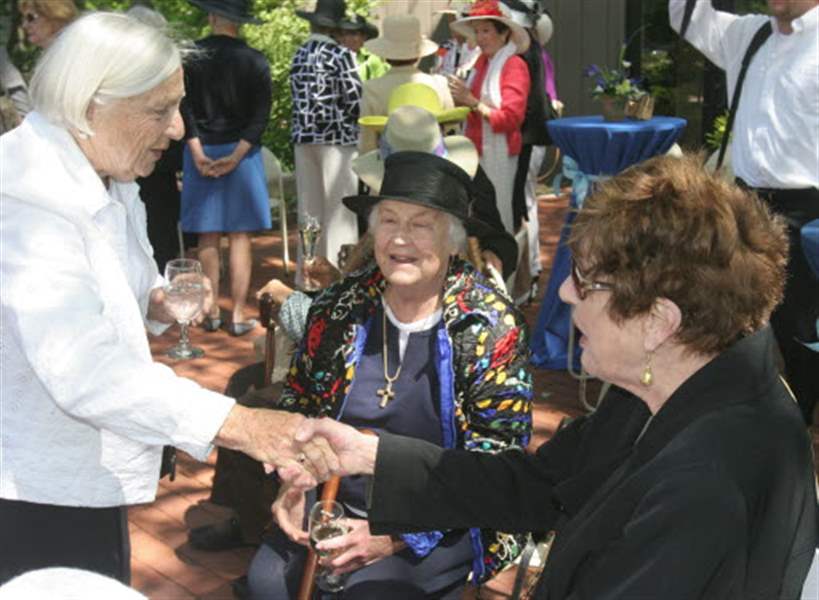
495, 11
416, 94
410, 128
401, 39
328, 13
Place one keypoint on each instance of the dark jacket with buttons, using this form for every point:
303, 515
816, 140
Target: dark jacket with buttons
716, 499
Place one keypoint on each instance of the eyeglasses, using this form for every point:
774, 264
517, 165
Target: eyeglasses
30, 17
584, 285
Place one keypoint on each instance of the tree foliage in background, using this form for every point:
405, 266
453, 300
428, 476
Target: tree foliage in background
278, 37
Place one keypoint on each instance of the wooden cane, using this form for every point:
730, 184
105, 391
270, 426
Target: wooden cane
308, 576
267, 315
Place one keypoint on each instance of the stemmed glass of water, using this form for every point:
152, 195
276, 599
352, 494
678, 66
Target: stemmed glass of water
327, 521
184, 295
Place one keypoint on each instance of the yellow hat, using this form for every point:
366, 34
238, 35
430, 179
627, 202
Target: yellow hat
420, 95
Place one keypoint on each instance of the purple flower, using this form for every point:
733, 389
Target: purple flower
591, 71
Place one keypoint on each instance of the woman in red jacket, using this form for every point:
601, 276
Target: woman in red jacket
496, 90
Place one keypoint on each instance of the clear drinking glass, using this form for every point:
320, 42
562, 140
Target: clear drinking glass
327, 521
309, 234
184, 295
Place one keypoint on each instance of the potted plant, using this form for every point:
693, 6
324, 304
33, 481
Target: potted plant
620, 95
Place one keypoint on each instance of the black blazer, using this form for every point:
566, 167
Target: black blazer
716, 499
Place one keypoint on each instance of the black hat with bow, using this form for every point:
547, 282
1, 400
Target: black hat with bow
359, 23
328, 13
425, 180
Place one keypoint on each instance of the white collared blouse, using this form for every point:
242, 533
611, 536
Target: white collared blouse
84, 409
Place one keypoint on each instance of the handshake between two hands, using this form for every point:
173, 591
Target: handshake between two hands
303, 451
326, 448
306, 452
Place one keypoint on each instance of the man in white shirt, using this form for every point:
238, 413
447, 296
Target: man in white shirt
775, 147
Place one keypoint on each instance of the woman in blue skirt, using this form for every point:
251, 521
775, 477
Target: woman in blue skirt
224, 188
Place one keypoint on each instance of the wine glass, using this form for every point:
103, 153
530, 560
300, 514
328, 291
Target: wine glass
327, 521
184, 295
309, 234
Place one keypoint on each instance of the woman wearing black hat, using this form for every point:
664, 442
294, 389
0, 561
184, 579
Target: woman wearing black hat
352, 34
418, 343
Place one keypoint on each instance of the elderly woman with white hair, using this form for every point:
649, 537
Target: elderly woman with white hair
418, 342
86, 411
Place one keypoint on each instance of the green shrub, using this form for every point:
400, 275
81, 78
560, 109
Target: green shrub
278, 37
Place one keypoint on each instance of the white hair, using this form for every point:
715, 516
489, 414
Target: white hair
101, 57
148, 16
456, 234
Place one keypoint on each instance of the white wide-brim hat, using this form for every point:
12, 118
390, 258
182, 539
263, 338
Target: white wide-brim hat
411, 128
496, 11
533, 19
401, 39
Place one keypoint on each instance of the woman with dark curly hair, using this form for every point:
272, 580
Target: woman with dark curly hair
694, 478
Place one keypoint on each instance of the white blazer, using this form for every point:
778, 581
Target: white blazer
84, 410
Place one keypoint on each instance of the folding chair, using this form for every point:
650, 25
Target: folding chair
275, 175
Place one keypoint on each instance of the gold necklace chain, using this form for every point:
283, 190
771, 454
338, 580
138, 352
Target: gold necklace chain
386, 392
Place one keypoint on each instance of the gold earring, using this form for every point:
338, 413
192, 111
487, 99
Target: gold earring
647, 378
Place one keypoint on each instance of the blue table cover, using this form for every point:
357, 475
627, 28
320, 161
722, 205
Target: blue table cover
598, 147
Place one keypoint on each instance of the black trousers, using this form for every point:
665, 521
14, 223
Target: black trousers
36, 536
794, 320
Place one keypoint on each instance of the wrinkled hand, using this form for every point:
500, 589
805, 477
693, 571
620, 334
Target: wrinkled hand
157, 311
268, 436
288, 512
353, 452
278, 289
156, 307
357, 548
491, 258
319, 273
223, 166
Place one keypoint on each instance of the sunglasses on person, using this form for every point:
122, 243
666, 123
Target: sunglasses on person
584, 285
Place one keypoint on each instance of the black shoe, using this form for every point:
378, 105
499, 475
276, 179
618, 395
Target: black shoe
240, 587
216, 537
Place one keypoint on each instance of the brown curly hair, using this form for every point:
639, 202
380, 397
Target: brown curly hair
668, 229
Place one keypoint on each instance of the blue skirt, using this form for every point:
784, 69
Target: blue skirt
237, 201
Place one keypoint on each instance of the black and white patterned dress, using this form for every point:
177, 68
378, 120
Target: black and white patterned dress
326, 92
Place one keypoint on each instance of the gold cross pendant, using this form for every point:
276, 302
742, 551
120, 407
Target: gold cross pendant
386, 394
